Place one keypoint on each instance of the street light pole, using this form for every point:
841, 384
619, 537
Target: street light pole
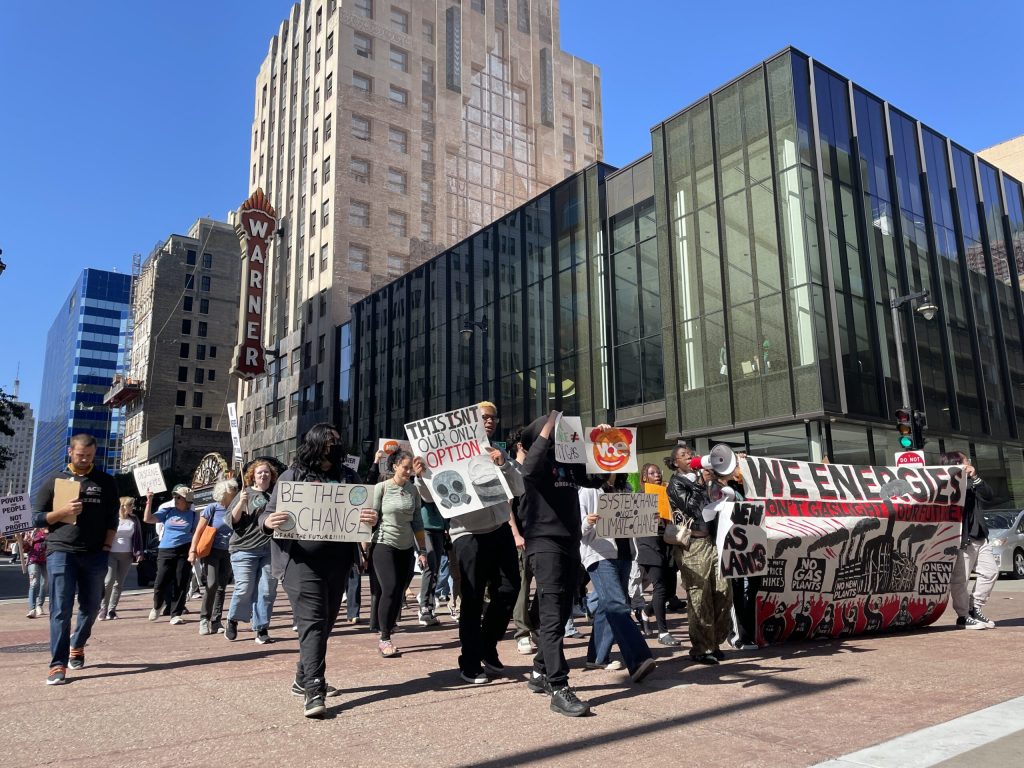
927, 310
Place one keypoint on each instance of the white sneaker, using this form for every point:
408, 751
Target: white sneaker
524, 646
39, 611
612, 666
427, 619
154, 614
177, 620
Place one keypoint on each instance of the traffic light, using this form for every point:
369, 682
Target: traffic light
904, 429
920, 427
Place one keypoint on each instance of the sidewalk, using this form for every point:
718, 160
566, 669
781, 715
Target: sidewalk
159, 695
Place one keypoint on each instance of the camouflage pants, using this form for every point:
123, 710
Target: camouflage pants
709, 614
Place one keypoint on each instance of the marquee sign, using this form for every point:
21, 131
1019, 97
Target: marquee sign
257, 223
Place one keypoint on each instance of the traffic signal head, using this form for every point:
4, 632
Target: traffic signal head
920, 427
904, 429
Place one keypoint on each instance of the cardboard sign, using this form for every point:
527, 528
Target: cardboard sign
149, 478
390, 446
352, 462
323, 511
627, 515
15, 514
569, 444
64, 492
236, 442
460, 474
611, 450
848, 549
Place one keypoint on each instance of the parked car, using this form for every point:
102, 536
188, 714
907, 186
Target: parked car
1006, 535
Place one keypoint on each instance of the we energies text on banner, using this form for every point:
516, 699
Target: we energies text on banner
837, 549
461, 476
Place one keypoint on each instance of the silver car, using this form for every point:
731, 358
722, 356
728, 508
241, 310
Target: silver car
1006, 535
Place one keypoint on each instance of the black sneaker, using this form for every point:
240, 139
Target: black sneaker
231, 633
474, 677
667, 640
565, 702
538, 684
978, 616
718, 654
969, 622
704, 658
493, 666
77, 660
314, 705
111, 615
298, 690
263, 637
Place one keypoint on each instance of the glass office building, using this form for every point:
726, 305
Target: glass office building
733, 285
84, 349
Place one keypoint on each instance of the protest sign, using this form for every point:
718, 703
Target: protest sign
352, 462
149, 478
742, 541
848, 549
15, 514
569, 445
627, 515
236, 442
610, 450
389, 446
460, 474
323, 511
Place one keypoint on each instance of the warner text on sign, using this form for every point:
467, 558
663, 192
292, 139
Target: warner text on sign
257, 223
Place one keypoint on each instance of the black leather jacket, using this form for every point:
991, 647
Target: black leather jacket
688, 498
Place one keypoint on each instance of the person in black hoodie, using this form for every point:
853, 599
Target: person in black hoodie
80, 534
975, 551
549, 520
314, 573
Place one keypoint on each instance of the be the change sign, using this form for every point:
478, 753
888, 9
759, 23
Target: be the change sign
323, 511
15, 515
149, 478
627, 515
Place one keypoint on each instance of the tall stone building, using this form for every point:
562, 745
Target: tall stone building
14, 477
185, 318
384, 131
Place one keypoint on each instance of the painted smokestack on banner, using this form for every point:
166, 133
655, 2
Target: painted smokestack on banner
257, 222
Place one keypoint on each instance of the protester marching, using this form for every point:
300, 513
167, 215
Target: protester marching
766, 549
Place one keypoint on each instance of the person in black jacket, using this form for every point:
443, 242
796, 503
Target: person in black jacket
653, 556
975, 552
313, 573
549, 520
80, 534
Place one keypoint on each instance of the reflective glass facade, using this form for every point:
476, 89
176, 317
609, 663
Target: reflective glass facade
733, 285
84, 349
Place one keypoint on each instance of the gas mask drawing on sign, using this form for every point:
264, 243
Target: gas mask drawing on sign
451, 488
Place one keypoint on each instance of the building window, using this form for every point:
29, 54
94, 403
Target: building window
399, 59
200, 351
399, 97
360, 170
190, 282
328, 86
183, 351
196, 422
204, 284
427, 152
202, 329
199, 374
363, 45
312, 265
358, 257
213, 351
204, 306
179, 420
327, 131
397, 223
180, 398
360, 130
330, 46
428, 31
363, 8
327, 167
477, 5
362, 82
566, 90
197, 399
427, 230
186, 327
182, 373
427, 71
321, 348
588, 133
207, 261
586, 99
427, 110
325, 213
396, 264
186, 303
316, 102
307, 354
190, 258
359, 214
211, 375
318, 402
209, 422
323, 258
397, 181
398, 139
400, 20
427, 192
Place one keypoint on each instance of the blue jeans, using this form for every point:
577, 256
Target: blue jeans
255, 588
353, 592
36, 585
72, 572
612, 620
443, 587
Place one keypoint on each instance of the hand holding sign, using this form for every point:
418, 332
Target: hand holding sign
149, 478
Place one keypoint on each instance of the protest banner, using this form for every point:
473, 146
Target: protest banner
149, 478
610, 450
15, 514
236, 442
323, 511
460, 474
627, 515
390, 446
848, 549
569, 444
352, 462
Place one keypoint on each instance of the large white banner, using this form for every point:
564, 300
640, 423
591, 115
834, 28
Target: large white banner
323, 511
461, 476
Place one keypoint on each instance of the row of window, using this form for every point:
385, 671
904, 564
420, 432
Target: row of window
200, 375
359, 216
359, 260
204, 305
198, 422
190, 259
204, 283
186, 328
201, 351
304, 400
182, 396
362, 130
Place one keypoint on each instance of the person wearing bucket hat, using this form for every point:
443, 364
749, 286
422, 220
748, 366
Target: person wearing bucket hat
172, 565
710, 620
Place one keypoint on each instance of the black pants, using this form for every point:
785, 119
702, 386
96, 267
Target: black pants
218, 571
315, 591
428, 579
394, 568
744, 600
489, 564
172, 570
658, 575
556, 576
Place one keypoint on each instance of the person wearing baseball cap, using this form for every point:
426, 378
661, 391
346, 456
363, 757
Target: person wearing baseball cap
172, 565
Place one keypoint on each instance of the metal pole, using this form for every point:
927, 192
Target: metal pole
898, 332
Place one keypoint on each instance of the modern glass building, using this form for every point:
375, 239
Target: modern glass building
734, 285
84, 349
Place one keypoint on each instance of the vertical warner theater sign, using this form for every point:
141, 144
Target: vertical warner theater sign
257, 223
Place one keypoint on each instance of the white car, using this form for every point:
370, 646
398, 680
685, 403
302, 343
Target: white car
1006, 535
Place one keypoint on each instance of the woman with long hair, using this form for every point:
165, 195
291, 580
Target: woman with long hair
249, 547
653, 557
400, 533
216, 564
125, 549
314, 573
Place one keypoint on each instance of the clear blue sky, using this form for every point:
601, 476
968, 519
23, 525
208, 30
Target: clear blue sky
122, 121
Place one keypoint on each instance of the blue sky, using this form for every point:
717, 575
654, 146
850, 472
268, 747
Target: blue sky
123, 121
